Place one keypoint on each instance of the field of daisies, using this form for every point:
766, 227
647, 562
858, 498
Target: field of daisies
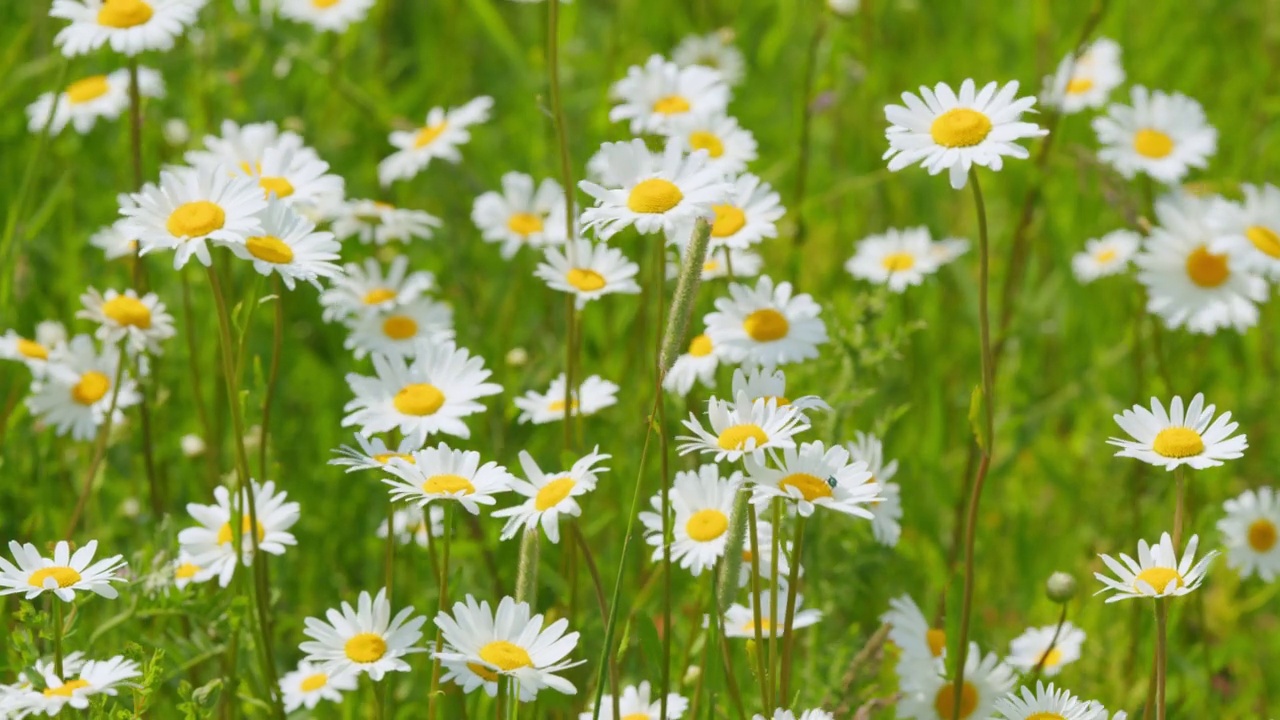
622, 360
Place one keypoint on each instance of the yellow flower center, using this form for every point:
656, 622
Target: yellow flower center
729, 220
1178, 442
322, 4
67, 689
558, 405
811, 487
195, 219
585, 279
365, 647
960, 127
710, 266
735, 437
33, 350
186, 571
224, 532
82, 91
122, 14
1079, 85
898, 261
92, 386
700, 346
638, 716
419, 399
127, 310
1265, 239
1045, 715
1152, 144
399, 327
1207, 269
1262, 535
61, 574
384, 458
671, 105
378, 295
703, 140
311, 683
507, 656
1051, 658
945, 701
937, 640
428, 135
448, 484
1106, 255
1158, 578
278, 186
523, 223
654, 195
766, 325
552, 493
706, 525
269, 248
766, 627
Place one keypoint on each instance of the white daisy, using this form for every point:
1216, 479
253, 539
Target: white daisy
1162, 135
307, 685
401, 331
742, 429
729, 146
746, 216
948, 249
550, 495
886, 514
62, 574
593, 395
129, 26
90, 98
766, 325
955, 132
771, 384
410, 524
1032, 648
440, 473
1193, 438
1250, 230
740, 621
923, 648
1103, 714
743, 263
380, 223
190, 207
114, 240
637, 703
652, 96
363, 289
698, 363
211, 544
74, 392
655, 192
701, 502
1249, 532
186, 571
1045, 702
364, 639
897, 258
440, 137
432, 394
713, 50
1085, 81
814, 475
291, 246
765, 566
594, 271
49, 338
1107, 255
141, 323
520, 215
296, 176
780, 714
934, 696
373, 454
1157, 572
241, 149
95, 677
326, 15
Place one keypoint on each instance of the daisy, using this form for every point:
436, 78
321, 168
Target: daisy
1249, 532
817, 714
1193, 438
595, 270
729, 146
955, 133
308, 685
1162, 135
740, 621
290, 246
186, 571
114, 240
95, 677
1045, 702
440, 137
1102, 712
63, 574
1108, 255
362, 289
814, 475
410, 524
923, 647
432, 394
766, 325
713, 50
129, 26
550, 495
744, 264
1250, 230
90, 98
481, 645
771, 384
402, 331
701, 501
654, 192
295, 175
1189, 284
75, 391
365, 639
327, 16
1085, 81
898, 258
765, 566
592, 396
441, 473
748, 215
636, 703
241, 149
50, 337
699, 364
742, 429
373, 454
141, 323
190, 207
947, 249
521, 215
381, 223
886, 514
652, 96
934, 697
211, 544
1032, 648
1157, 572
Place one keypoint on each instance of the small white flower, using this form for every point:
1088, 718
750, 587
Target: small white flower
729, 146
713, 50
90, 98
1249, 230
698, 363
380, 223
814, 476
897, 258
593, 395
923, 647
401, 331
190, 207
295, 176
442, 474
440, 137
192, 445
1193, 438
1085, 81
410, 524
307, 685
771, 385
740, 621
766, 325
550, 496
327, 16
637, 703
594, 271
364, 639
1045, 702
139, 323
934, 697
74, 391
748, 214
186, 571
62, 574
742, 428
886, 514
1156, 573
240, 149
520, 215
1163, 135
701, 502
50, 337
1032, 648
211, 544
780, 714
1107, 255
129, 26
95, 677
373, 454
652, 96
365, 289
1250, 531
290, 246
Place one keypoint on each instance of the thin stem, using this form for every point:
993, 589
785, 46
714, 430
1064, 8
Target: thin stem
788, 637
1053, 642
389, 550
1162, 639
443, 602
806, 124
527, 573
148, 453
57, 636
594, 571
557, 117
762, 667
730, 680
779, 699
659, 277
273, 375
99, 449
193, 366
1179, 506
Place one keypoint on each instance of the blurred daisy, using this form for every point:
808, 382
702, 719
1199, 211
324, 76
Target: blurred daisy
814, 475
593, 395
701, 502
1085, 81
440, 473
186, 571
90, 98
1107, 255
764, 548
75, 391
934, 697
296, 175
62, 574
364, 639
748, 215
328, 16
1250, 230
652, 96
654, 192
744, 264
1193, 438
897, 258
307, 685
1188, 284
50, 337
955, 132
713, 50
129, 26
95, 677
742, 428
729, 146
1249, 530
373, 453
211, 544
550, 496
740, 621
1157, 572
923, 648
520, 215
1102, 714
886, 514
440, 137
364, 289
771, 384
481, 645
1162, 135
380, 223
241, 149
290, 246
1045, 702
1033, 648
947, 249
698, 363
788, 715
401, 331
432, 394
766, 325
637, 703
596, 270
844, 8
410, 524
190, 207
114, 240
141, 323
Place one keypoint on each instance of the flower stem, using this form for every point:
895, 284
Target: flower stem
788, 637
57, 637
763, 667
1179, 506
775, 592
1053, 642
1162, 638
273, 375
443, 603
718, 624
594, 571
527, 574
99, 449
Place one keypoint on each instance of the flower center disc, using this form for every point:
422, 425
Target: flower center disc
419, 399
706, 525
186, 571
1262, 535
278, 186
269, 248
33, 350
312, 683
384, 458
378, 295
1207, 269
1079, 85
92, 386
653, 196
1152, 144
945, 701
448, 484
729, 220
811, 487
365, 647
399, 327
123, 14
428, 135
323, 4
128, 311
224, 532
1106, 255
937, 640
66, 689
960, 127
61, 574
195, 219
523, 223
504, 655
703, 140
735, 437
700, 346
766, 325
552, 493
898, 261
558, 405
671, 105
82, 91
1178, 442
1158, 578
1265, 239
1045, 715
1051, 658
585, 279
638, 716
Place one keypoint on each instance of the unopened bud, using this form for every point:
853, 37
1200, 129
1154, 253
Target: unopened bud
1060, 587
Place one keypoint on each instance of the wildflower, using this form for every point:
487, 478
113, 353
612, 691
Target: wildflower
766, 325
411, 525
307, 685
373, 454
364, 639
923, 647
897, 258
362, 289
652, 96
441, 473
86, 100
740, 621
380, 223
814, 475
550, 496
211, 544
440, 137
327, 16
1032, 648
1249, 532
401, 331
141, 323
191, 207
63, 574
701, 502
1108, 255
50, 338
1045, 702
1157, 572
934, 697
75, 390
742, 429
713, 50
729, 146
748, 214
592, 396
296, 176
1193, 438
1162, 135
95, 677
1250, 230
129, 26
886, 514
520, 215
1085, 81
698, 363
594, 271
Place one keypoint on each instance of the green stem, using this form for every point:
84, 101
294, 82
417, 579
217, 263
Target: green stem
1179, 507
527, 572
443, 602
273, 375
57, 637
1053, 642
1162, 639
788, 637
762, 666
594, 571
779, 698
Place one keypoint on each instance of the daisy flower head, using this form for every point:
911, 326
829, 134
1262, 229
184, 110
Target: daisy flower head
1103, 714
1188, 283
49, 338
655, 192
326, 15
550, 495
771, 384
190, 207
897, 258
364, 289
62, 574
211, 543
886, 514
363, 639
701, 501
186, 571
241, 149
114, 240
742, 429
1162, 135
588, 271
379, 223
130, 27
765, 564
954, 132
814, 476
401, 331
440, 137
1107, 255
651, 96
75, 391
1156, 573
295, 175
933, 696
748, 215
1250, 230
740, 621
780, 714
481, 645
373, 453
1250, 530
714, 50
729, 146
745, 264
95, 677
923, 647
1191, 437
307, 685
141, 323
1085, 81
432, 394
290, 246
1037, 648
766, 325
442, 474
698, 363
521, 215
593, 395
1045, 702
637, 703
411, 524
87, 99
